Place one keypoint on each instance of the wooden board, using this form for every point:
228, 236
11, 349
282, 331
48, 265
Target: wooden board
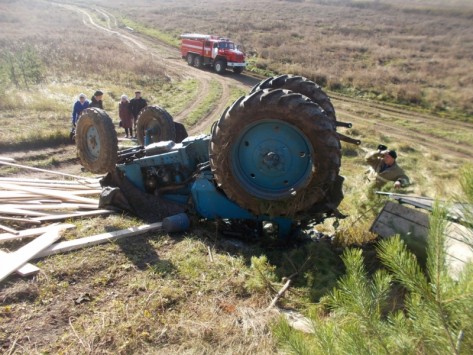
20, 212
33, 232
63, 195
25, 270
49, 206
98, 239
62, 217
3, 162
13, 261
8, 229
21, 220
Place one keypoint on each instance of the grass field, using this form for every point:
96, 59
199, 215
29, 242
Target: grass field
201, 291
415, 53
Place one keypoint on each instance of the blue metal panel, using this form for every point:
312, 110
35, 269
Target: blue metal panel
133, 173
212, 204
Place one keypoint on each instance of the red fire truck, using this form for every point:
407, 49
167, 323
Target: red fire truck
219, 52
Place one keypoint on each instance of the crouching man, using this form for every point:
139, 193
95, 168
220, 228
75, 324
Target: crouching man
384, 169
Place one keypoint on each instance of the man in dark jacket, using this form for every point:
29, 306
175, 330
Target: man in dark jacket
96, 100
136, 105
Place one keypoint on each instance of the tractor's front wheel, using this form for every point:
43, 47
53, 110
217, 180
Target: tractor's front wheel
238, 70
275, 153
157, 123
96, 141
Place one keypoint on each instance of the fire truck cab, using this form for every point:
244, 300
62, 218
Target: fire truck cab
209, 50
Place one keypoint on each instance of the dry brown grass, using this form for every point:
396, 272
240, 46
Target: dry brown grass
75, 58
416, 53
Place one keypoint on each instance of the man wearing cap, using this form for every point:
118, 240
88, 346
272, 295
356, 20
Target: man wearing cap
80, 105
96, 100
136, 105
383, 168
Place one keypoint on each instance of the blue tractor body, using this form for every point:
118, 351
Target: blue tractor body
274, 155
177, 164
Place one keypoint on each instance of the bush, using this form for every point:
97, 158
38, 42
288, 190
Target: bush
401, 308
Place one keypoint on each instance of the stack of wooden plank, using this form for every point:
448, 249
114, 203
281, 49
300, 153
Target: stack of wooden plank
34, 204
29, 206
35, 201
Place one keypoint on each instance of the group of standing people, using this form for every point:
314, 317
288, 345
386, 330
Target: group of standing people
128, 110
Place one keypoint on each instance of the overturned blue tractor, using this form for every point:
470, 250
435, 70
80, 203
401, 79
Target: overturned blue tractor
274, 155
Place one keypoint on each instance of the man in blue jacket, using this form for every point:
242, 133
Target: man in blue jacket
81, 104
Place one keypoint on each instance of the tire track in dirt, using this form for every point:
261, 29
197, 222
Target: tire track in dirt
414, 138
397, 112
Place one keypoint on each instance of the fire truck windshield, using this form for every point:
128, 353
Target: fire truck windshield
226, 45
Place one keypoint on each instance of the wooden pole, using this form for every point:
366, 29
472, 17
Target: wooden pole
20, 212
63, 195
8, 229
98, 239
71, 183
72, 187
50, 206
62, 217
22, 220
43, 170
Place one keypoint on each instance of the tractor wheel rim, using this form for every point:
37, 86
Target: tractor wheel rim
93, 142
272, 159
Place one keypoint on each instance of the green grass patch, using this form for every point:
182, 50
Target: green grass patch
207, 105
172, 39
30, 141
175, 96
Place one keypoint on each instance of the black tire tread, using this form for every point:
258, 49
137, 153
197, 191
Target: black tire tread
295, 109
108, 156
165, 120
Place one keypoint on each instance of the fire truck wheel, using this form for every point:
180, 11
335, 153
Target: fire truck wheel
238, 70
275, 153
96, 141
197, 61
301, 85
190, 58
158, 122
220, 66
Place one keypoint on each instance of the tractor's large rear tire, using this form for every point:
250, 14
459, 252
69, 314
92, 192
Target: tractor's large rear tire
96, 141
275, 153
301, 85
159, 121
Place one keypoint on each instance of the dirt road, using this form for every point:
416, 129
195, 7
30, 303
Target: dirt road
421, 131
